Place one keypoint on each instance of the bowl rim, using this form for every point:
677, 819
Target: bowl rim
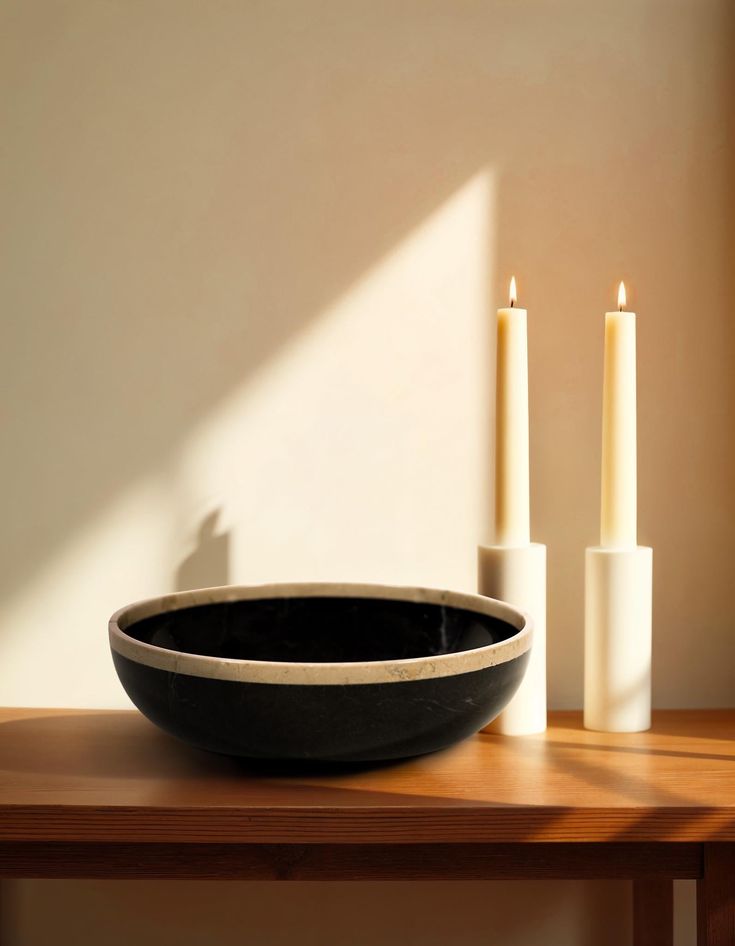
329, 673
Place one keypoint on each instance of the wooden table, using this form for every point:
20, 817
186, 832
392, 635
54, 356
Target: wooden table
105, 794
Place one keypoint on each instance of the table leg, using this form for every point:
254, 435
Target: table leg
653, 912
716, 897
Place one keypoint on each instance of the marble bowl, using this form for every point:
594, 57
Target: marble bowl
329, 672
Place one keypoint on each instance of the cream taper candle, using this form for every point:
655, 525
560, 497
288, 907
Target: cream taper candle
511, 426
514, 569
618, 506
619, 573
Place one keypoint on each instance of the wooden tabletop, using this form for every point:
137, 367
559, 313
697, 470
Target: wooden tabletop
69, 775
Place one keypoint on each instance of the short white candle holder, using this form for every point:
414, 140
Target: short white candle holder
517, 574
617, 638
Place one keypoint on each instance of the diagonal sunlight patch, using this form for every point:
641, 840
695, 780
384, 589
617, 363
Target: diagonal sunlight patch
358, 452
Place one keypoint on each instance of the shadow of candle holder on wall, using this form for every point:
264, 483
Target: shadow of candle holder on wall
208, 565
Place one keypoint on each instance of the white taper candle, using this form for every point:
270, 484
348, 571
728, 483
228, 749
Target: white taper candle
514, 568
512, 526
619, 573
618, 501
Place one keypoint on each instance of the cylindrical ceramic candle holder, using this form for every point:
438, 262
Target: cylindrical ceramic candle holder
517, 574
617, 639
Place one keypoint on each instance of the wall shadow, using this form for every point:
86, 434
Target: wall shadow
170, 225
191, 218
609, 204
208, 565
217, 202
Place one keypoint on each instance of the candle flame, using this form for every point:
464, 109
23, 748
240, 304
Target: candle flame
513, 293
621, 296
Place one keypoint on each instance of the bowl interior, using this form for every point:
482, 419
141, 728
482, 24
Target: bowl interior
320, 629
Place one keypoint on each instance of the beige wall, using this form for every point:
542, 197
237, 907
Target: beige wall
250, 254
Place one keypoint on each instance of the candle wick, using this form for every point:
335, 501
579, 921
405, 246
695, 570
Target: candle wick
512, 303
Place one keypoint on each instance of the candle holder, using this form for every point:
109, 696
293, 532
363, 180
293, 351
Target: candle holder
617, 638
618, 573
517, 574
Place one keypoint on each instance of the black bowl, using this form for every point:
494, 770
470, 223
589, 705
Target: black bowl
320, 671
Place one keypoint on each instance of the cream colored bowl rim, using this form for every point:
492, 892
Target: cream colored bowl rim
336, 673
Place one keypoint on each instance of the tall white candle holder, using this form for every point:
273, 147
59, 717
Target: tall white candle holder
514, 569
517, 574
618, 573
617, 639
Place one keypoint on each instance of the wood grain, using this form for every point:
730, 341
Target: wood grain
112, 777
653, 912
351, 862
716, 897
